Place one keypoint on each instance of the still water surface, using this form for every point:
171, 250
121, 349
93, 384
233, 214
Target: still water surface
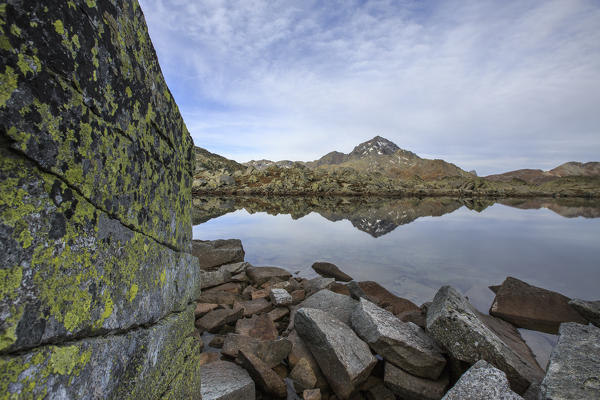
413, 247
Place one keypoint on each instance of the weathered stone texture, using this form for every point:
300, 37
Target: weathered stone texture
156, 361
482, 382
95, 208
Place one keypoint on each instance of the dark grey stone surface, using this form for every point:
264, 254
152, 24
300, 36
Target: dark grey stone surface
590, 310
574, 369
344, 359
482, 382
410, 387
401, 343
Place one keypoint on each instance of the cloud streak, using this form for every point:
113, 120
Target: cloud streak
486, 85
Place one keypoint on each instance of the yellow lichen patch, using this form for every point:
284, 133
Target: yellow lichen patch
58, 27
10, 281
91, 3
15, 30
133, 292
8, 84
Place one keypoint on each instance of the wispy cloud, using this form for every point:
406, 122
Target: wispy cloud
487, 85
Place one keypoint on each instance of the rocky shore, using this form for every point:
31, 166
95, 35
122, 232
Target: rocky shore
268, 334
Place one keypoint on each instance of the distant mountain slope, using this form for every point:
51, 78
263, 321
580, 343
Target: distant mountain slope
383, 156
537, 176
207, 161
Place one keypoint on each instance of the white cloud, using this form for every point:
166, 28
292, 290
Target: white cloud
487, 85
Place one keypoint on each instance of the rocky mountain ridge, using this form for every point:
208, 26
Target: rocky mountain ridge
571, 168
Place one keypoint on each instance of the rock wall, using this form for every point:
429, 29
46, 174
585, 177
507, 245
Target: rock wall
96, 275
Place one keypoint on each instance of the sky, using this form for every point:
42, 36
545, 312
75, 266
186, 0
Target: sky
487, 85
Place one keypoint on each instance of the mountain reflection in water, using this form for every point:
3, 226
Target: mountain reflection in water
378, 216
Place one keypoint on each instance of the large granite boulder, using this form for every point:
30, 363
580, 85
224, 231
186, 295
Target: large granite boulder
224, 380
482, 382
531, 307
95, 209
214, 253
590, 310
455, 324
574, 369
344, 359
401, 343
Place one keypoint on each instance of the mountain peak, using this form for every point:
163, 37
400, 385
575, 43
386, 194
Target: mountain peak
376, 146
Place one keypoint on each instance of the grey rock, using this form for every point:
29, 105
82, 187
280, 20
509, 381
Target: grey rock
314, 285
260, 275
401, 343
336, 304
141, 361
271, 352
590, 310
410, 387
329, 270
221, 275
214, 253
455, 324
380, 392
574, 369
280, 297
482, 382
344, 359
223, 380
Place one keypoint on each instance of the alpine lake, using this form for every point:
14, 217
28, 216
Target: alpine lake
413, 246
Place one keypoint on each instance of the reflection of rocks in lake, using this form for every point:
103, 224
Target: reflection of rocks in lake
375, 216
566, 207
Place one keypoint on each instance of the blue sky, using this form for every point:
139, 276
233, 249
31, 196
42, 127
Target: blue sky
487, 85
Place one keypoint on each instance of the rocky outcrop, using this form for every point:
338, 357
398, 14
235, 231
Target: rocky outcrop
531, 307
574, 369
401, 343
482, 382
455, 324
95, 209
345, 360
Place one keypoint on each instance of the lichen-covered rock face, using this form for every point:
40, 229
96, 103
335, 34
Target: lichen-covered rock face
95, 209
83, 97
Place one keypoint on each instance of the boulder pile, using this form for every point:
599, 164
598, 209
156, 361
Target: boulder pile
271, 335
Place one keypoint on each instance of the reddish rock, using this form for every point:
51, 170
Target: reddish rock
264, 377
531, 307
300, 351
217, 341
278, 313
281, 370
260, 275
229, 287
339, 288
207, 358
329, 270
408, 386
219, 297
217, 318
204, 308
257, 306
259, 294
379, 295
259, 326
303, 375
298, 296
311, 394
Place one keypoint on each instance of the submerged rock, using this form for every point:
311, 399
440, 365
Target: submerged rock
214, 253
329, 270
223, 380
482, 382
344, 359
532, 307
401, 343
590, 310
455, 324
574, 369
410, 387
